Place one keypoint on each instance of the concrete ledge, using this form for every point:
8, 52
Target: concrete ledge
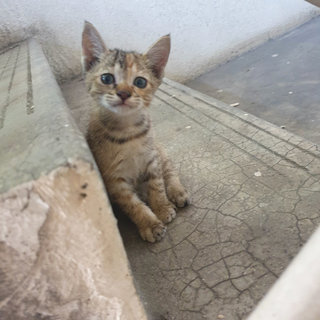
37, 132
61, 255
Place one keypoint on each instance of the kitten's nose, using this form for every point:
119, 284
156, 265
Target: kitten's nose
123, 94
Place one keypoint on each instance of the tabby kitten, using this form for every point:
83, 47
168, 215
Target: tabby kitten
122, 85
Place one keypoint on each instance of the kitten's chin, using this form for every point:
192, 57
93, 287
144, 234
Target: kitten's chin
120, 109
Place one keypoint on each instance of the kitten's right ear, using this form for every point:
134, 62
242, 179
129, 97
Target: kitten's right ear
92, 46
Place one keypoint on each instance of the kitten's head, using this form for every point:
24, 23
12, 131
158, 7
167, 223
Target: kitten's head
122, 82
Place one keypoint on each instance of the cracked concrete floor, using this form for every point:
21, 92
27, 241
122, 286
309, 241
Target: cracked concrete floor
255, 195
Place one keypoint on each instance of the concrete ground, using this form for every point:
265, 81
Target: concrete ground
255, 193
279, 81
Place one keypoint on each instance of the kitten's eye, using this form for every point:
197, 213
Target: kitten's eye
140, 82
107, 78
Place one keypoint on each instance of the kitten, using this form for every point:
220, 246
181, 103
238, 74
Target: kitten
122, 85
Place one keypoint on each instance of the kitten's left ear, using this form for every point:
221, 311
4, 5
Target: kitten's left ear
158, 55
92, 46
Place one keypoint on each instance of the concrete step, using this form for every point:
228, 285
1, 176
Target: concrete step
61, 255
255, 195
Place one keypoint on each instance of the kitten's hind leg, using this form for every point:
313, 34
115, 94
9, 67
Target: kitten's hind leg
175, 190
123, 194
157, 196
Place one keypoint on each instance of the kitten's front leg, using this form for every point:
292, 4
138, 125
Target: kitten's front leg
122, 193
177, 194
157, 197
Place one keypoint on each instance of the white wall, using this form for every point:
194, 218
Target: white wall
204, 32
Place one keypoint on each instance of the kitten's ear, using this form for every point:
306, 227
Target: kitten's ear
92, 46
158, 55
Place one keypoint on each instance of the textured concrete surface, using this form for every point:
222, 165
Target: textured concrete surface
298, 288
29, 98
278, 81
61, 255
204, 32
255, 195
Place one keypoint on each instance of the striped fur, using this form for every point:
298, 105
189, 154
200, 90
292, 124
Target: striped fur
121, 138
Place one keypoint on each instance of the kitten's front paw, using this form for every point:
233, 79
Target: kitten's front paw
179, 196
154, 233
166, 213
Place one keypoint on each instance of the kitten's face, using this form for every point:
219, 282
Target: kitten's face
122, 82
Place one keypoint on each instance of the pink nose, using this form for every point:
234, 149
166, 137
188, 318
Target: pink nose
123, 94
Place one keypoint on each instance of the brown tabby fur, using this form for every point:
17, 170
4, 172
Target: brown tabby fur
121, 137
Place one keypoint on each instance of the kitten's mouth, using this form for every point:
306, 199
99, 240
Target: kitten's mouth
122, 105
